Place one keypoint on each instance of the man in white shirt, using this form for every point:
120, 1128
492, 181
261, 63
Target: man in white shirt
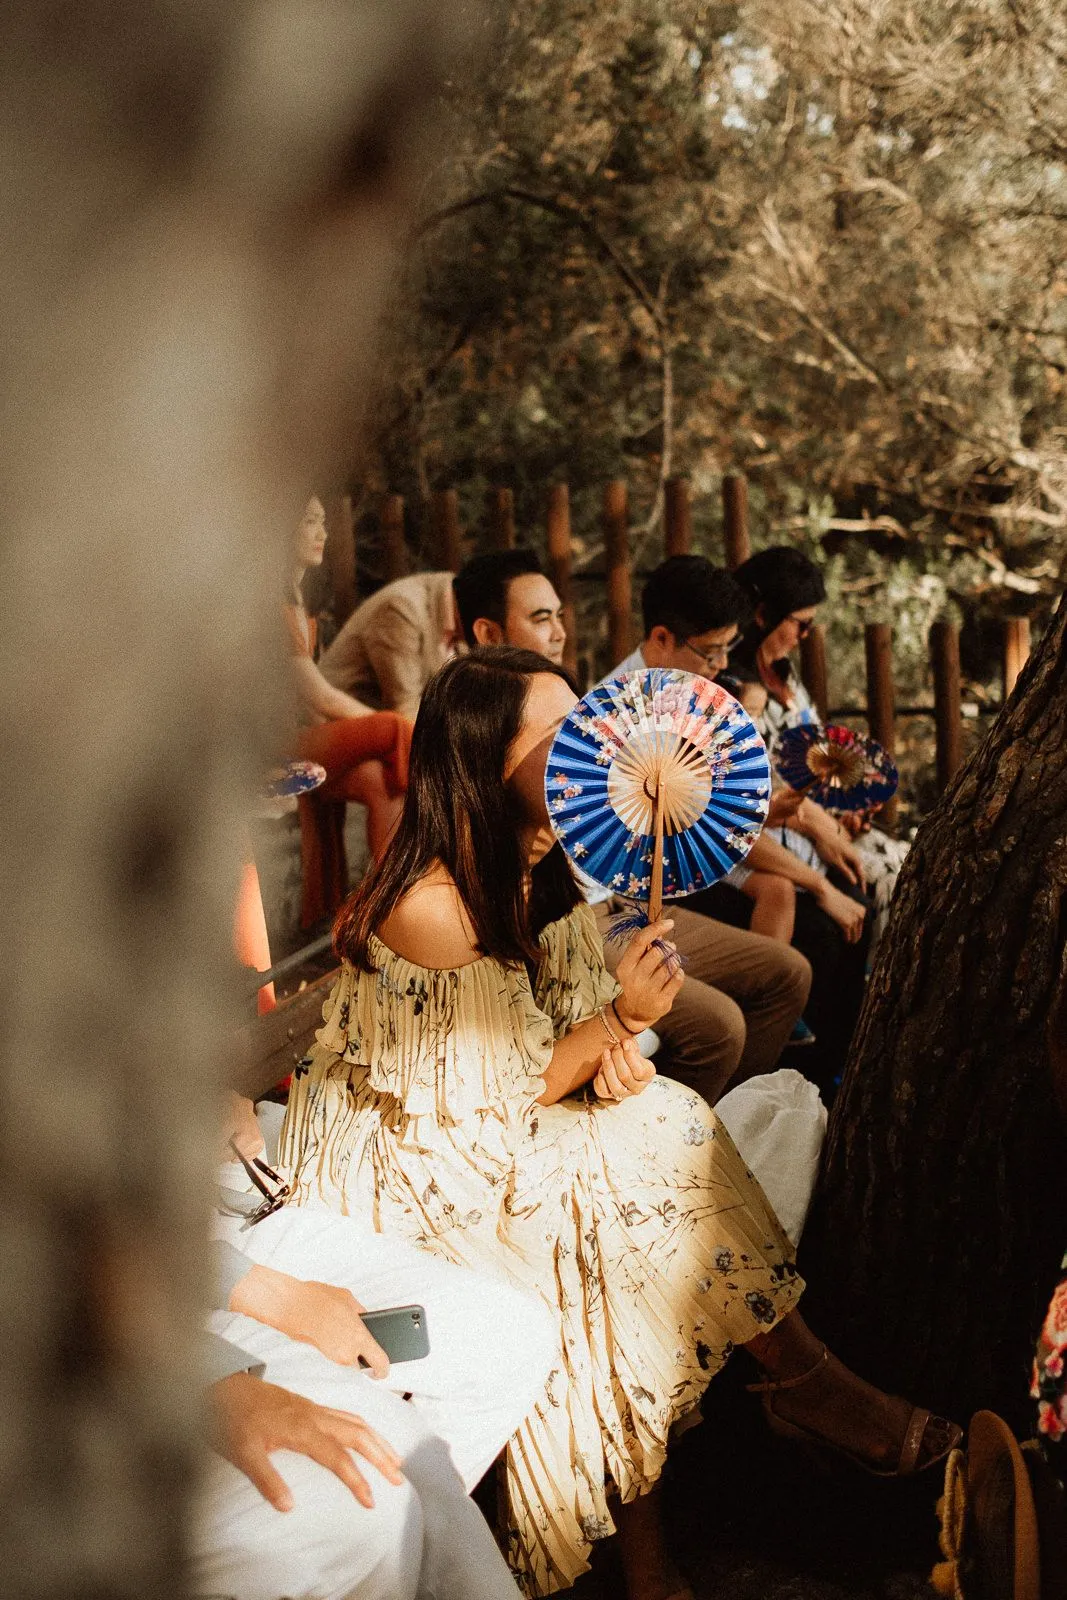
742, 992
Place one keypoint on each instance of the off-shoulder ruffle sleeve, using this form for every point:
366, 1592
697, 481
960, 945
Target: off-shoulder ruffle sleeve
451, 1043
573, 982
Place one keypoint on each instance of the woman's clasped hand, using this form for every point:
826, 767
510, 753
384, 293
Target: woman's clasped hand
650, 975
624, 1071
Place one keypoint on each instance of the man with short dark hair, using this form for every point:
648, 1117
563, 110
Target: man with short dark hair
741, 995
503, 597
692, 613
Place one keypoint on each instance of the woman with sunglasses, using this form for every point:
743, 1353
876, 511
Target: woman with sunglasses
785, 589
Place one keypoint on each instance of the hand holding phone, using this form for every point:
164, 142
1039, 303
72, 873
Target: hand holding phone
320, 1314
400, 1331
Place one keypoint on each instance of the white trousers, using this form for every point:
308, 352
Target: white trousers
490, 1350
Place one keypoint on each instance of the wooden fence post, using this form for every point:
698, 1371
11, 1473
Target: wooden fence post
945, 659
736, 547
559, 566
813, 667
341, 557
502, 518
617, 564
394, 547
1016, 649
677, 517
448, 535
881, 701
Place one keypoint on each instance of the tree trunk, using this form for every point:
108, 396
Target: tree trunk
940, 1215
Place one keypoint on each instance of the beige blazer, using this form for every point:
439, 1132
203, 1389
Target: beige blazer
393, 643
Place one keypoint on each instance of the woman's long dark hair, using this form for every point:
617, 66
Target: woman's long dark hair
780, 579
458, 812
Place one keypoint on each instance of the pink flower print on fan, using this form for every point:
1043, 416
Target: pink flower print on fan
636, 885
572, 791
1050, 1420
671, 700
578, 849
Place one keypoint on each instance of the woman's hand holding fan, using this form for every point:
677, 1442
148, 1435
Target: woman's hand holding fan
649, 978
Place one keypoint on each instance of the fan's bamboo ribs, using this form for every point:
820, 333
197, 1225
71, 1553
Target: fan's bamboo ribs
655, 895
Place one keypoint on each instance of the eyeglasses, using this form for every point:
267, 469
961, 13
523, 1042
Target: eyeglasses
713, 659
262, 1177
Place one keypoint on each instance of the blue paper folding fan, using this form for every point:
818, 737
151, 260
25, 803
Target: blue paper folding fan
839, 769
657, 784
293, 778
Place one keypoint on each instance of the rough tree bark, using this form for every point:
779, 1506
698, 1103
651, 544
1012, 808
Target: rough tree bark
940, 1216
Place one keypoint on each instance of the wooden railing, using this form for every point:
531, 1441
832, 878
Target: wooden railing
617, 578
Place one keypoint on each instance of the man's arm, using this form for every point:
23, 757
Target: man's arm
394, 645
830, 840
319, 1314
321, 696
767, 855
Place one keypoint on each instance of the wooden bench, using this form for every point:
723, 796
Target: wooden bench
270, 1046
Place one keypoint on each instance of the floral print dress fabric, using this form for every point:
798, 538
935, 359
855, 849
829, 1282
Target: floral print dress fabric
1049, 1385
637, 1223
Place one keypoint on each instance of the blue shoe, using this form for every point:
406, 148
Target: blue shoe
801, 1033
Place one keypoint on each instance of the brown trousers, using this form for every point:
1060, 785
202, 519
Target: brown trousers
741, 996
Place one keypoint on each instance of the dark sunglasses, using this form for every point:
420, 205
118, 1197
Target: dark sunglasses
271, 1185
803, 625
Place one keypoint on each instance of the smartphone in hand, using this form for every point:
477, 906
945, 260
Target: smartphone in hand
400, 1330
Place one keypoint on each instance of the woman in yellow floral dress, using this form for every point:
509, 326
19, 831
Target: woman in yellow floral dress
476, 1087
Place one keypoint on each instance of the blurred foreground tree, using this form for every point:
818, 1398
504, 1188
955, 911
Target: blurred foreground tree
201, 205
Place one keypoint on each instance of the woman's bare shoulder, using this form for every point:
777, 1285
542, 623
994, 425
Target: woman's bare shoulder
429, 925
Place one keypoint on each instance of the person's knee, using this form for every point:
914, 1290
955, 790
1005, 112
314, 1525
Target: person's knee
328, 1542
780, 893
515, 1344
796, 976
377, 1551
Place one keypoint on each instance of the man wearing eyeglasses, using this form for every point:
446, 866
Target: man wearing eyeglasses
742, 993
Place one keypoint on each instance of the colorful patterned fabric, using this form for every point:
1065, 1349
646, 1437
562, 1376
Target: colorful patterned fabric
609, 751
1049, 1385
836, 767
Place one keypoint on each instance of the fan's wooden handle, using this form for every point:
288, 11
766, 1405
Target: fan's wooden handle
655, 892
